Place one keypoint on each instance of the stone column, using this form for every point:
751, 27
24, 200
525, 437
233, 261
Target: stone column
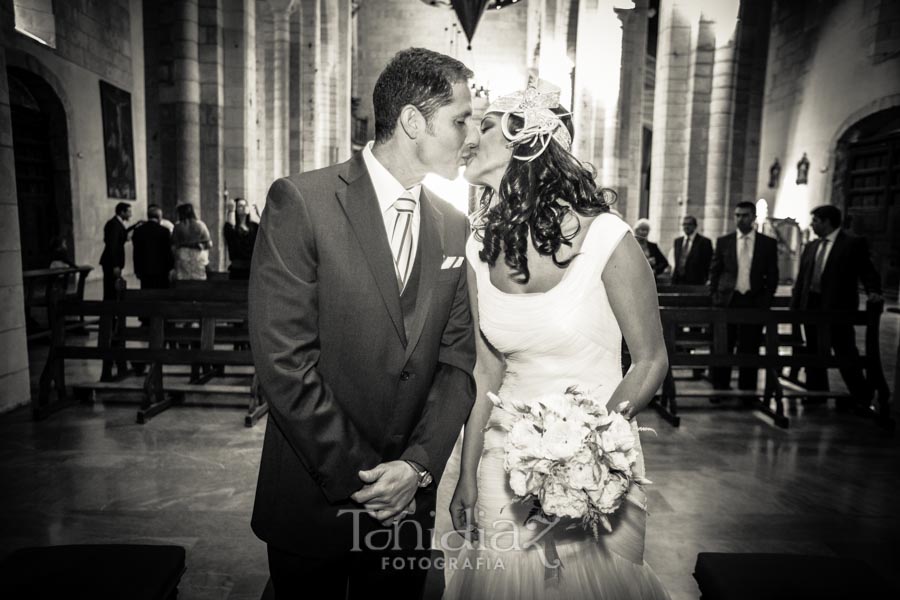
239, 18
15, 389
669, 153
629, 142
212, 94
721, 121
700, 86
281, 77
184, 95
309, 83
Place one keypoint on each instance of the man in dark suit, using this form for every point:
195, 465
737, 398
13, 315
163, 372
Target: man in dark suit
152, 251
693, 254
743, 274
362, 337
831, 269
115, 235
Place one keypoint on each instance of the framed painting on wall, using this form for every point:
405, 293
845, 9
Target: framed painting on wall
118, 142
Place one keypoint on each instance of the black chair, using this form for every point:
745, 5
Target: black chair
787, 577
98, 572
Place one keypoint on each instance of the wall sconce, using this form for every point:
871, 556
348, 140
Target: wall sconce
802, 170
774, 172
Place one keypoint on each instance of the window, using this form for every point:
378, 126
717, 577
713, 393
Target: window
34, 18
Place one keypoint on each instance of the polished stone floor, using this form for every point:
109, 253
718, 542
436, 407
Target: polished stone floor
726, 480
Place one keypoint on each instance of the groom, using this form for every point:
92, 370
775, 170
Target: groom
363, 345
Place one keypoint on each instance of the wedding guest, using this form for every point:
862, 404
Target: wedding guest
115, 236
692, 255
190, 245
743, 274
152, 251
240, 236
831, 269
163, 220
655, 257
60, 257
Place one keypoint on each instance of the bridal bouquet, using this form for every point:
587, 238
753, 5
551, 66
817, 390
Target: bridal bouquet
570, 454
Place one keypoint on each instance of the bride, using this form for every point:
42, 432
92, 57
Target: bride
556, 281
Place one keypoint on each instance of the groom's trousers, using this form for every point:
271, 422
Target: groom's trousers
354, 575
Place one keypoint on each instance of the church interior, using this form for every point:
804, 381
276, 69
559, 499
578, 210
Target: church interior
686, 108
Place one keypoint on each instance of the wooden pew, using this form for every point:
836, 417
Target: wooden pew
44, 287
158, 309
777, 357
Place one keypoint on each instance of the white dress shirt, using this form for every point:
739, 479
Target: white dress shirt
387, 190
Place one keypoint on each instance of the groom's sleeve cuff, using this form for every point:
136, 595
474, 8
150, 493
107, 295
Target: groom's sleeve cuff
418, 455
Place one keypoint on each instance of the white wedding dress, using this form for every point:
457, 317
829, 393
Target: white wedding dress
551, 340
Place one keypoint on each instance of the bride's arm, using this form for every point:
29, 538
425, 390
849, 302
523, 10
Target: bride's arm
488, 376
632, 295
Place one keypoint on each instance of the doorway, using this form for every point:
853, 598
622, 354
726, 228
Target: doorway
40, 148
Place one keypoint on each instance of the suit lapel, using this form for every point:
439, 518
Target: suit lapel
360, 204
431, 253
732, 254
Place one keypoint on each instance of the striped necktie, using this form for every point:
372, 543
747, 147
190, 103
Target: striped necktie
402, 239
819, 267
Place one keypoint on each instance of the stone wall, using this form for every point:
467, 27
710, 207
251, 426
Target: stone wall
830, 64
95, 41
14, 380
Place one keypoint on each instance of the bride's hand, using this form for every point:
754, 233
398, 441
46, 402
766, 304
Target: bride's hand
462, 507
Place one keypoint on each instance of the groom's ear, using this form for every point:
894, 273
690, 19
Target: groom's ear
412, 121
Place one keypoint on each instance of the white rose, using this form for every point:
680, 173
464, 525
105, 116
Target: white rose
556, 499
610, 496
562, 438
617, 436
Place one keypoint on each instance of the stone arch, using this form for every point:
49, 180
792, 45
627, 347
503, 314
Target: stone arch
49, 96
862, 169
833, 189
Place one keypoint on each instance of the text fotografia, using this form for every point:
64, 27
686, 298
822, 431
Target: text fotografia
505, 537
453, 563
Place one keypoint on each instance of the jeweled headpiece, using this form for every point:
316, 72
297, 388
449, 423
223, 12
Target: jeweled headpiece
541, 123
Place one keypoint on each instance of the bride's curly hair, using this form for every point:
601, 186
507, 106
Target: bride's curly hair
529, 207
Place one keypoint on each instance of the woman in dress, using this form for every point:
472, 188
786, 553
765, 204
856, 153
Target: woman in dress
240, 237
555, 282
190, 245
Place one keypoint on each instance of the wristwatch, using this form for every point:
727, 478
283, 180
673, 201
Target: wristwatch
422, 473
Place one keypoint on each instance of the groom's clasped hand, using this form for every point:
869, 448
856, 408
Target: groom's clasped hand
389, 490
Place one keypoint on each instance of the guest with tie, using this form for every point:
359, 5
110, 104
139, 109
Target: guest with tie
655, 257
152, 251
831, 269
115, 236
743, 274
692, 255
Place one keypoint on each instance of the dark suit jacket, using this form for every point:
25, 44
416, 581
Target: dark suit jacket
659, 263
696, 268
151, 244
348, 385
763, 270
848, 264
114, 237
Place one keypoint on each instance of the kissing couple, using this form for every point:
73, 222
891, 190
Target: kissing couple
380, 321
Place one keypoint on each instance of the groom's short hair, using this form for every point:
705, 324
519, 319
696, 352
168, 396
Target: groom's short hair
416, 76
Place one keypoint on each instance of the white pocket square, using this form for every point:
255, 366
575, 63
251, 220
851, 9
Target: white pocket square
452, 262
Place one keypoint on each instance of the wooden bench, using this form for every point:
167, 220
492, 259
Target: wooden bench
160, 312
782, 327
44, 287
748, 576
96, 571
